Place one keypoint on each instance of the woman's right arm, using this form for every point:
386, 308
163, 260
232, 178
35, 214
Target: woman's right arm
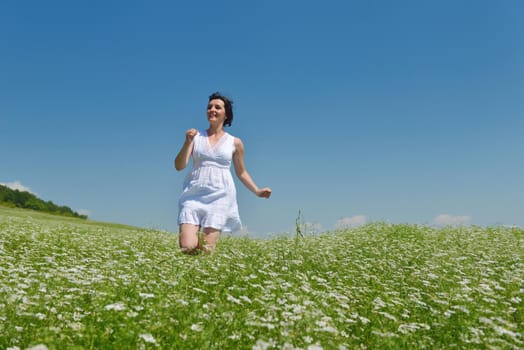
182, 158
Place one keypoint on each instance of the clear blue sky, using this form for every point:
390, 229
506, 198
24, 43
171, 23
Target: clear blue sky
352, 111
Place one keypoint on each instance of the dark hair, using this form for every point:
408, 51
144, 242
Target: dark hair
228, 105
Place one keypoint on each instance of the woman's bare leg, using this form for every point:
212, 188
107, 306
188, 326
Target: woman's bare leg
211, 236
188, 239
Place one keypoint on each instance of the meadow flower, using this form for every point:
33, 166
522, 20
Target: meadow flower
502, 331
245, 298
364, 320
263, 345
449, 313
148, 338
388, 316
385, 334
76, 326
199, 290
146, 295
308, 339
379, 303
233, 299
197, 327
38, 347
461, 308
412, 327
116, 307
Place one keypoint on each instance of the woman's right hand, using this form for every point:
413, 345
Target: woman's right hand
182, 158
190, 135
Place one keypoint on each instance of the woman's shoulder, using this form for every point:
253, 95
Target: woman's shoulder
232, 137
237, 142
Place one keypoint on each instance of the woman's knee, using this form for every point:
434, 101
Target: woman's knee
188, 246
188, 239
211, 237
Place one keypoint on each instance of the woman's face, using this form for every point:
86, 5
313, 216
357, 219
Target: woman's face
216, 112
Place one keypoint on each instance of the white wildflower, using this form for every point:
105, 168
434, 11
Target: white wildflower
503, 331
288, 346
385, 335
329, 329
233, 299
38, 347
314, 347
117, 306
262, 345
485, 320
412, 327
489, 300
379, 303
146, 295
308, 339
449, 313
40, 316
461, 308
246, 299
485, 286
388, 316
321, 323
148, 338
197, 327
199, 290
364, 320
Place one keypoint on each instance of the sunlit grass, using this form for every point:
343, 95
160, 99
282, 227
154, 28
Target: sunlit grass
67, 283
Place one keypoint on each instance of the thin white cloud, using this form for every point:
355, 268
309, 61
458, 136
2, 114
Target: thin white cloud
84, 212
350, 222
312, 227
451, 220
307, 228
17, 185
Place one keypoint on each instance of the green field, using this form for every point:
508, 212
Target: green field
76, 284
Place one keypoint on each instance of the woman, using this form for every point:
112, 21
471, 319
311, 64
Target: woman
208, 199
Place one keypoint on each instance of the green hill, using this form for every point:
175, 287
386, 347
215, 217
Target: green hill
77, 284
26, 200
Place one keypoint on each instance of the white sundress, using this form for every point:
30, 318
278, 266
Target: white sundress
208, 197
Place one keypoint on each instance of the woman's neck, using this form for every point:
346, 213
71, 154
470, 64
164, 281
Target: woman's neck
219, 130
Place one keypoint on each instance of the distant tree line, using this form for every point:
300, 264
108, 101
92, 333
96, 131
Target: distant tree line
22, 199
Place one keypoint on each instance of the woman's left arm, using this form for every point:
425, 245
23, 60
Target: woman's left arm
243, 175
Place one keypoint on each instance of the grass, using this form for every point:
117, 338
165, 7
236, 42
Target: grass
75, 284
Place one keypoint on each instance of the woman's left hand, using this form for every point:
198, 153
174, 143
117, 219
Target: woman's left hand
264, 192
